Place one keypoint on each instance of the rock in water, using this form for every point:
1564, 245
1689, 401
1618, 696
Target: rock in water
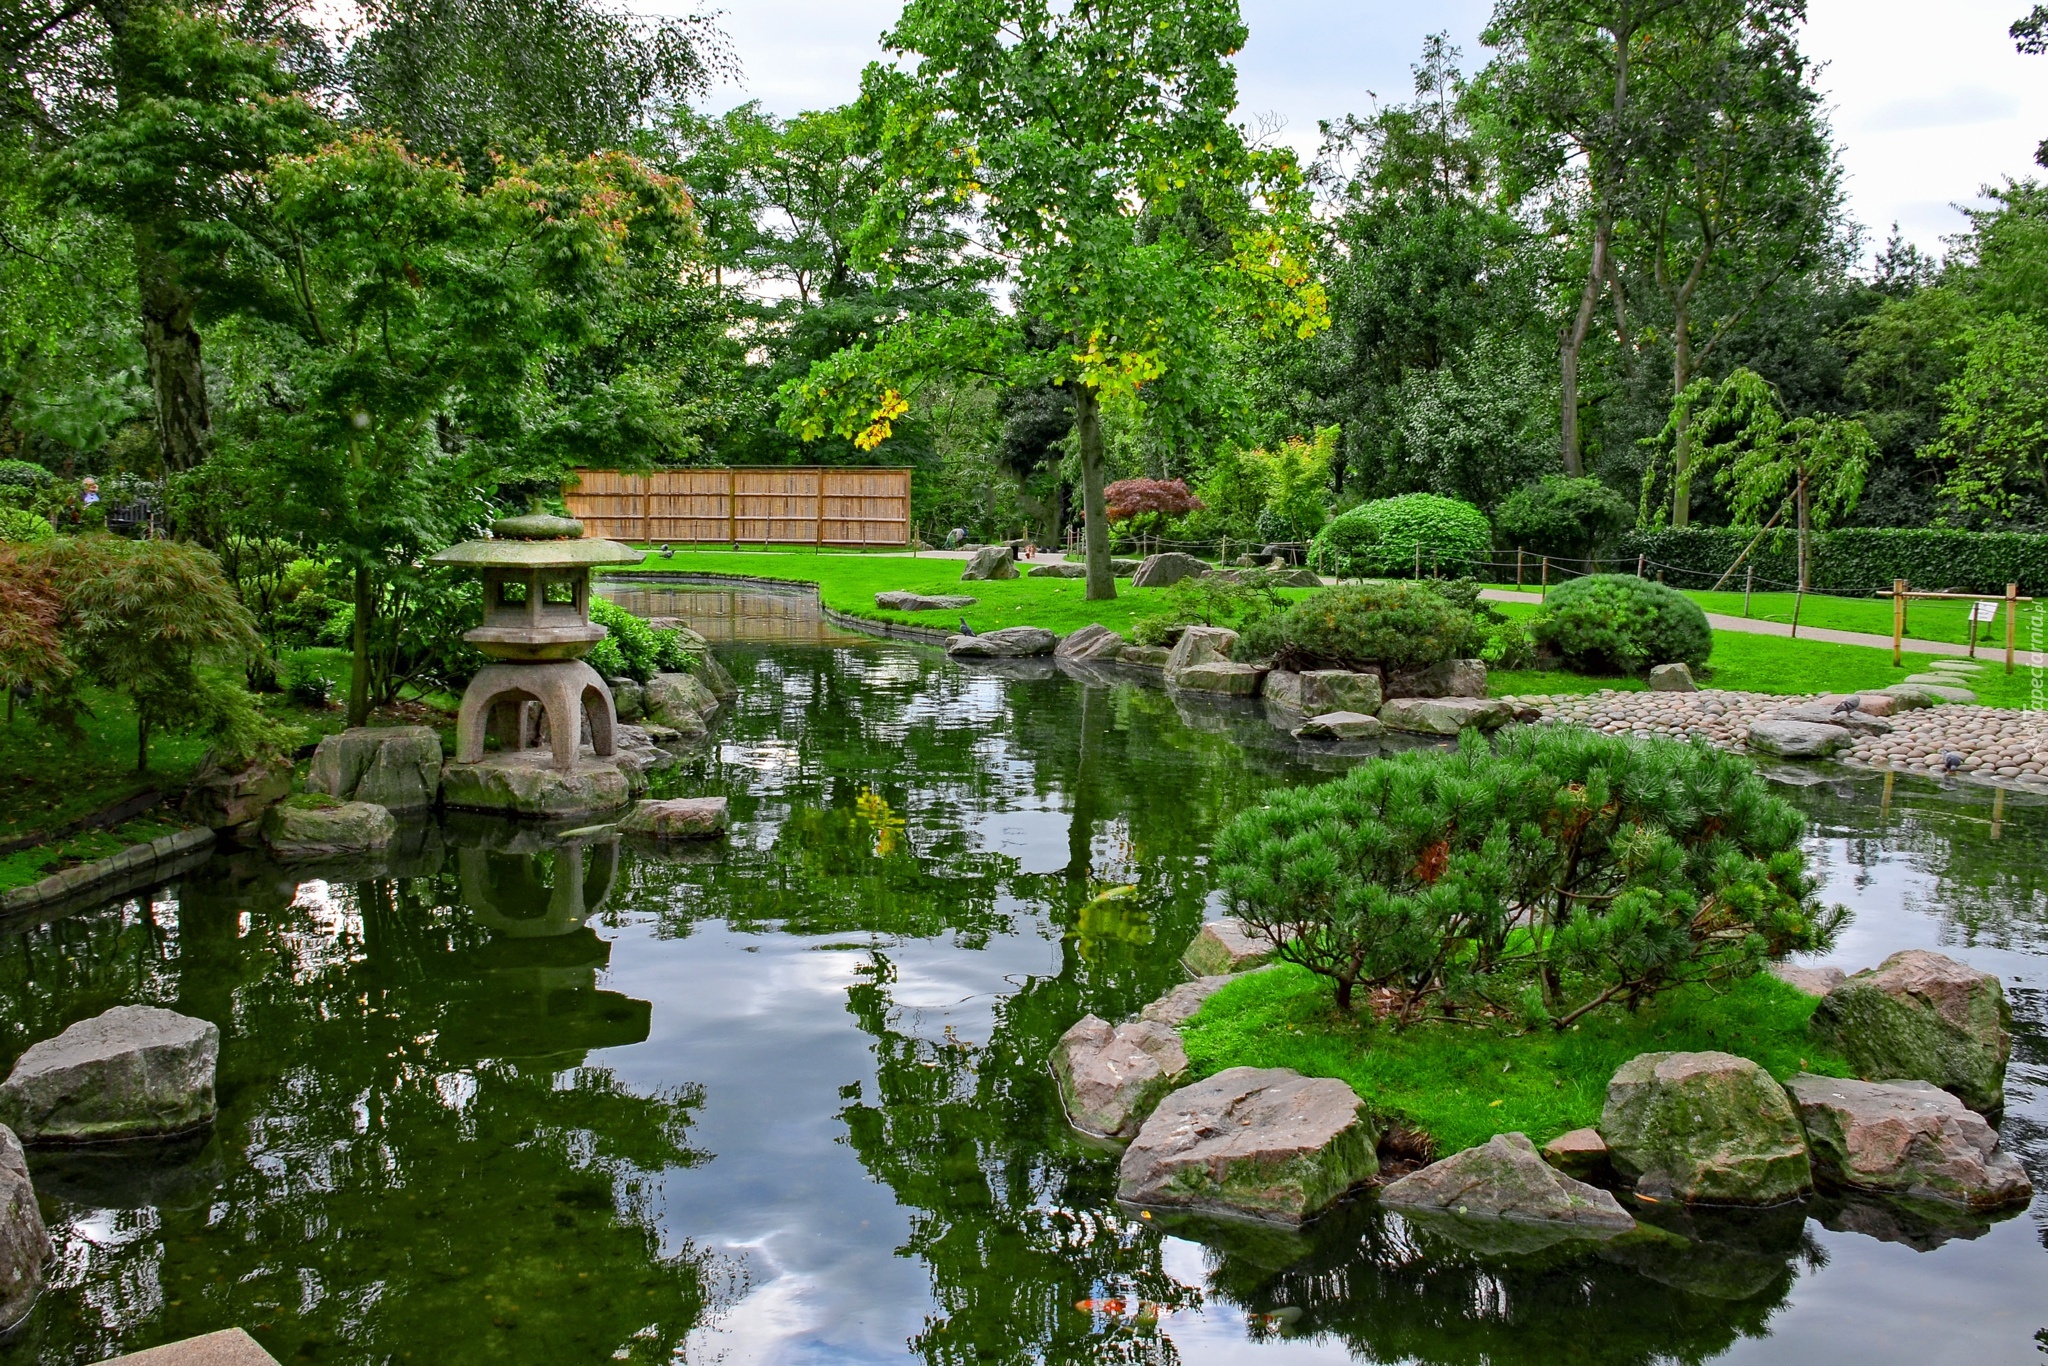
302, 828
990, 562
1012, 642
1264, 1142
1157, 571
923, 602
1226, 680
1282, 688
683, 701
1445, 715
235, 802
1325, 690
1923, 1015
132, 1072
1704, 1126
1180, 1004
396, 767
528, 784
1504, 1178
1672, 678
678, 818
24, 1245
714, 677
1823, 713
1789, 739
1582, 1153
1447, 678
1225, 946
1905, 1138
1110, 1078
1144, 656
1199, 645
629, 700
1340, 725
1094, 641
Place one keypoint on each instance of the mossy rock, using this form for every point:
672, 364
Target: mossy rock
1705, 1127
1923, 1016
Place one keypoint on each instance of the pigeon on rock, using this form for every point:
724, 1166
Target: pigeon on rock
965, 629
1951, 761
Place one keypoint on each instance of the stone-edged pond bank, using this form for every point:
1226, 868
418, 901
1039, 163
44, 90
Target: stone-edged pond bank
1922, 1040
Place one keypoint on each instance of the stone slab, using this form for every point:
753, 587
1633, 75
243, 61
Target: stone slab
229, 1347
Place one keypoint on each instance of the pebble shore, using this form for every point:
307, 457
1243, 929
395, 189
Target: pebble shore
2000, 746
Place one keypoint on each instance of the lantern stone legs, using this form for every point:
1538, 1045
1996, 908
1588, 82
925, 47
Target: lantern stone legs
567, 692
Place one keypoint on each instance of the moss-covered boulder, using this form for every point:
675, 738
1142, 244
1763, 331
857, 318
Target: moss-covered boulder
1906, 1138
1225, 946
1505, 1178
1704, 1127
313, 826
1923, 1016
24, 1245
526, 783
1265, 1143
1111, 1077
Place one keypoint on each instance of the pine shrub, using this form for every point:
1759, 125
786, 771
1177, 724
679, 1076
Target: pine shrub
1618, 623
1354, 626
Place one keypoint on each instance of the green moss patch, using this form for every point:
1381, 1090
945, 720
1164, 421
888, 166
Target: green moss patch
27, 866
1462, 1084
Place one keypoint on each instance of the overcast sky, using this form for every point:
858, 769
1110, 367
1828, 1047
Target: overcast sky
1929, 99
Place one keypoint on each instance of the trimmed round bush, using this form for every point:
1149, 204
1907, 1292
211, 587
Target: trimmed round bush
24, 474
19, 524
1568, 518
1618, 623
1382, 539
1352, 626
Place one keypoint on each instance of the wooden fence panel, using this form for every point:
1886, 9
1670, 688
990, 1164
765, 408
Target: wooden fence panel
766, 505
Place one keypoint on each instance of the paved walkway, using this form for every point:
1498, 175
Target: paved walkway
1753, 627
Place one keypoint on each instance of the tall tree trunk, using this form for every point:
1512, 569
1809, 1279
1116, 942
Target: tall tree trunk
359, 650
177, 381
1088, 426
1681, 448
1568, 348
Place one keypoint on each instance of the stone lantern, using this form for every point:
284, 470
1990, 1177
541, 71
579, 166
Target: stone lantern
537, 624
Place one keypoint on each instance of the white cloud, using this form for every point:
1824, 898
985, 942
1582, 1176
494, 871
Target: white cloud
1957, 107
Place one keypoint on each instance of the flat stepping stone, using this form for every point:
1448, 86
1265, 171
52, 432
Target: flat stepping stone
1340, 725
229, 1347
923, 602
1941, 688
678, 818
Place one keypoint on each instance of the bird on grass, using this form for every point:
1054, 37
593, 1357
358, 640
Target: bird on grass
667, 551
1951, 761
965, 629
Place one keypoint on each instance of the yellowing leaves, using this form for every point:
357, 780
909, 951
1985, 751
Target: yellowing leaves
881, 422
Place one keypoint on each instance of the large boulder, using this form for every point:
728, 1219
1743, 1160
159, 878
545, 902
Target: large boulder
312, 826
1180, 1004
1445, 715
527, 784
1225, 946
714, 677
629, 699
1094, 641
1111, 1076
682, 701
1282, 688
1340, 690
1505, 1178
1672, 678
1144, 656
1340, 725
1011, 642
990, 562
1199, 645
1787, 738
1446, 678
1157, 571
1813, 981
1704, 1126
678, 818
1905, 1138
1226, 680
131, 1072
923, 602
1824, 713
1923, 1015
234, 799
396, 767
1057, 571
1263, 1142
24, 1245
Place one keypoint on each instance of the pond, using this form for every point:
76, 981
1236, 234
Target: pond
506, 1097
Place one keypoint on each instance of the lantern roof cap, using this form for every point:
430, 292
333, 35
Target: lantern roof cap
578, 553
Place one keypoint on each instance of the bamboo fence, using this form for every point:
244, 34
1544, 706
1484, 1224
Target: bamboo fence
767, 505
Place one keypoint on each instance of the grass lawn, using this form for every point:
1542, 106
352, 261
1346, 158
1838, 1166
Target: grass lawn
849, 584
25, 866
50, 779
1462, 1084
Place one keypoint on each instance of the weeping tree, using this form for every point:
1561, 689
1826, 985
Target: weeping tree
1761, 457
1090, 146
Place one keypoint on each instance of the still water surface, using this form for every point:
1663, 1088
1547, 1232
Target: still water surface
507, 1097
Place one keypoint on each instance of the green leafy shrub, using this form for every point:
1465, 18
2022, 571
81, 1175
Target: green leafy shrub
302, 679
1563, 518
1238, 601
24, 474
24, 527
1618, 623
1556, 873
634, 649
1356, 625
1387, 537
1503, 644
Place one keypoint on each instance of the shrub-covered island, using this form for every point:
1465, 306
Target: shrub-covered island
1476, 939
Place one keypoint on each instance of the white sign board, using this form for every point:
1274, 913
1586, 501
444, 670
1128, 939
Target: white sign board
1983, 611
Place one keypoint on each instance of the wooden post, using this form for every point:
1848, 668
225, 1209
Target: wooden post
1748, 587
2012, 606
732, 506
1641, 561
647, 508
1898, 622
1518, 569
1973, 630
821, 510
1798, 597
1546, 578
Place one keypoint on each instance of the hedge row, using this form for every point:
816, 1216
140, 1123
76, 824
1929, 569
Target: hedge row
1854, 560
